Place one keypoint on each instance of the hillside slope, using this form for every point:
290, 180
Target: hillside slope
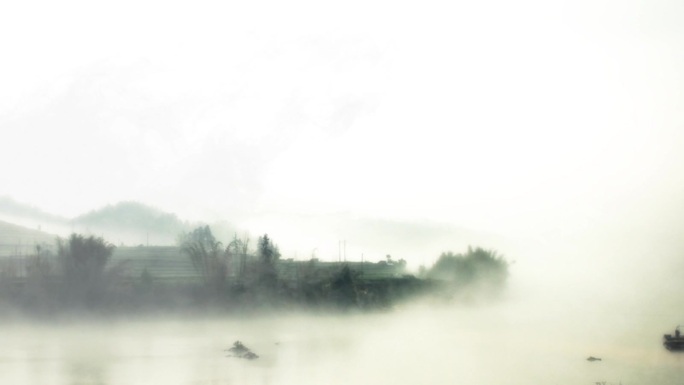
15, 239
132, 223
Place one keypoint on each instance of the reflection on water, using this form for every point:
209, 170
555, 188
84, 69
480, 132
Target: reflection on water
489, 345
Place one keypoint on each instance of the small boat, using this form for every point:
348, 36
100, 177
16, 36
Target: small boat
675, 342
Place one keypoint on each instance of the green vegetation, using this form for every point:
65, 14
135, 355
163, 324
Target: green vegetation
203, 275
266, 274
207, 256
478, 271
132, 215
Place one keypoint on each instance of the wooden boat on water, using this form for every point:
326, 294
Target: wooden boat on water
675, 342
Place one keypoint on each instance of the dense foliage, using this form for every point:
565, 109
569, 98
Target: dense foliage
207, 255
233, 278
83, 261
478, 270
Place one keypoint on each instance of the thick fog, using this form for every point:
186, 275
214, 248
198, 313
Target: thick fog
550, 132
515, 343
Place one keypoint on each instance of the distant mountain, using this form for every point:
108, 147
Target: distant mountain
31, 217
327, 236
14, 209
130, 214
132, 223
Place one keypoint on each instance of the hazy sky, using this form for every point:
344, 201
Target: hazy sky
520, 118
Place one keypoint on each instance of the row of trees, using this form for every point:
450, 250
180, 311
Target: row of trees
79, 275
254, 273
82, 275
476, 273
214, 262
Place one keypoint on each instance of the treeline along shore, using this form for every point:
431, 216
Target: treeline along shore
201, 274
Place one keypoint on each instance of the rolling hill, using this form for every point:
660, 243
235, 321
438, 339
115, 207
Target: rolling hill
130, 223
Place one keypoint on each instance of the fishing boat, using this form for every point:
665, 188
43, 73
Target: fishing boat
675, 342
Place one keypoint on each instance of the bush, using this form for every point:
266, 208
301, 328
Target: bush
478, 269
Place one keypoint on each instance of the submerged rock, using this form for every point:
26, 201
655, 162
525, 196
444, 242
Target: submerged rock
239, 350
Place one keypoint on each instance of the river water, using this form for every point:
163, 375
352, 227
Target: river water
505, 343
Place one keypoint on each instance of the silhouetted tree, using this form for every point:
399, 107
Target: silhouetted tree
239, 248
477, 269
343, 291
268, 255
207, 256
38, 266
83, 261
39, 289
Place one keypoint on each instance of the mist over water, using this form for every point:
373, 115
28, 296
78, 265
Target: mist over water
530, 336
601, 293
548, 131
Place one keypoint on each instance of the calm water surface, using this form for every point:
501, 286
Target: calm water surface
500, 344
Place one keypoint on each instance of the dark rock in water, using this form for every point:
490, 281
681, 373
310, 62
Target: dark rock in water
239, 350
592, 359
250, 356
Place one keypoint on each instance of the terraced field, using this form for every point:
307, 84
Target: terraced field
163, 262
169, 263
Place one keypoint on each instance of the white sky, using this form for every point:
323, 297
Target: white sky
521, 118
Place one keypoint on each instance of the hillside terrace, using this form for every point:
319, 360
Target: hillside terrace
168, 263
